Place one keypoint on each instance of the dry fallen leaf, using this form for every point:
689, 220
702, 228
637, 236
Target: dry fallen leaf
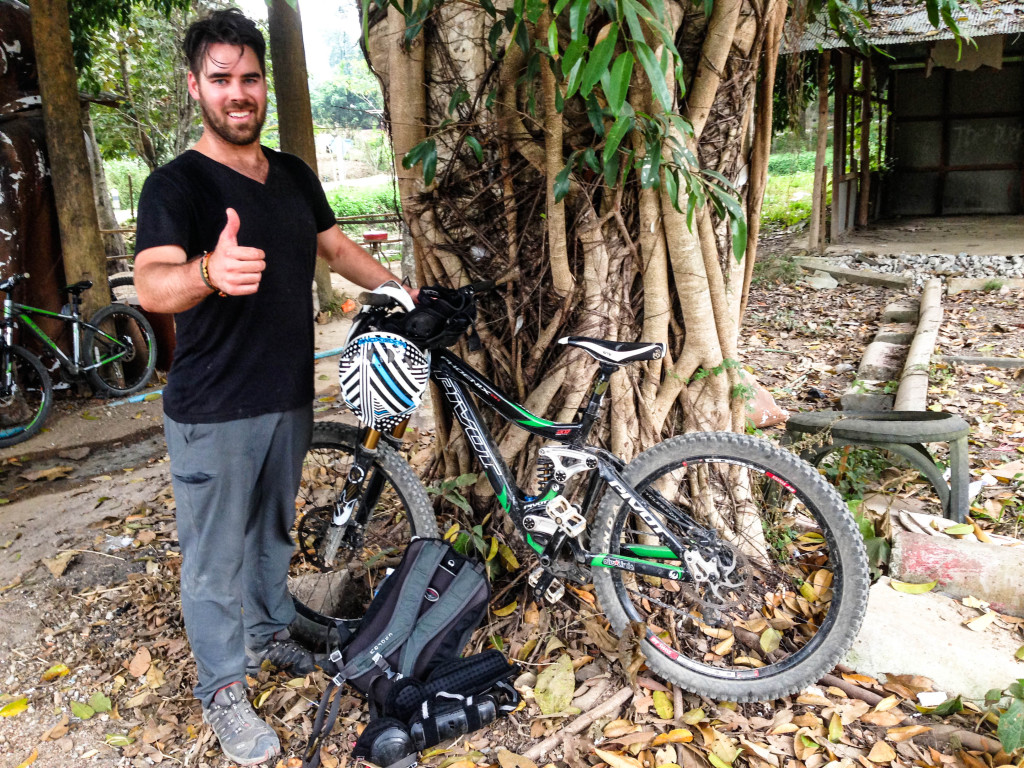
57, 565
881, 753
906, 732
140, 662
618, 761
511, 760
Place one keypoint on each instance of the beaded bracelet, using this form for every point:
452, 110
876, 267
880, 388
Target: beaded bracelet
204, 272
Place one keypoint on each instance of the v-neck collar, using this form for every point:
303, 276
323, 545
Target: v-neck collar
262, 184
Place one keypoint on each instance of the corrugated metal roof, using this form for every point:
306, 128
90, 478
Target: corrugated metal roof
906, 21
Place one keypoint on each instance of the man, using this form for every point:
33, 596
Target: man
228, 235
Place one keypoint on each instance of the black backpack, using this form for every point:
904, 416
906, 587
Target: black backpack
441, 317
404, 658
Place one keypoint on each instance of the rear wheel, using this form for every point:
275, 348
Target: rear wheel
765, 604
122, 288
122, 346
26, 395
343, 588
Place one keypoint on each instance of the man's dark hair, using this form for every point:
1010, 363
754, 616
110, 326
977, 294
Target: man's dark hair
230, 26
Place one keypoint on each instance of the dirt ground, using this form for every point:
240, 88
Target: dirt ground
977, 235
89, 562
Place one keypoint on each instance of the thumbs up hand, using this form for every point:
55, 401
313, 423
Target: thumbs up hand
234, 269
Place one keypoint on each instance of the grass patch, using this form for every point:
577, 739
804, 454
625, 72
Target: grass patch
787, 199
787, 163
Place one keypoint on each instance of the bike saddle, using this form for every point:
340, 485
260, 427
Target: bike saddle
78, 288
616, 352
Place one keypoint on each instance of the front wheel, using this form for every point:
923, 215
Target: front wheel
26, 395
342, 589
120, 350
779, 588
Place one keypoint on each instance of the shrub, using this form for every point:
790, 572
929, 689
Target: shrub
370, 200
786, 163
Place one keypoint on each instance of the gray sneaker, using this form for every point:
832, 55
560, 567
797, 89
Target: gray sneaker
285, 654
244, 737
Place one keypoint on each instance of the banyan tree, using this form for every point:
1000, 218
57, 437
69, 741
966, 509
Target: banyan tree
606, 158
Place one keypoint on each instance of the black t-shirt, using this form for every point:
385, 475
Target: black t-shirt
240, 356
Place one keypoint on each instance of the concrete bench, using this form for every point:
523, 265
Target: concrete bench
904, 433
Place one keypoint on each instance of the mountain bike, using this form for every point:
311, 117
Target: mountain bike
115, 350
737, 565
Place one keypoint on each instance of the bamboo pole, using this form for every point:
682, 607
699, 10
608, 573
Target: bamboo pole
816, 235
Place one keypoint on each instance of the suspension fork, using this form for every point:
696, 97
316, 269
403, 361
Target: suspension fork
359, 497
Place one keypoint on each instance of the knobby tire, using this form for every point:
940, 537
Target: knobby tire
24, 408
343, 590
129, 372
800, 557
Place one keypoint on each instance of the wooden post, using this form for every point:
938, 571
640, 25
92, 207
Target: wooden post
816, 234
295, 117
864, 197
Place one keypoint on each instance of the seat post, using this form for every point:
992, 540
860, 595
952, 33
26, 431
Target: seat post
597, 393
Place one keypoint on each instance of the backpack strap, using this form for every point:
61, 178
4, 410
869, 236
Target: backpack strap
322, 723
397, 629
437, 617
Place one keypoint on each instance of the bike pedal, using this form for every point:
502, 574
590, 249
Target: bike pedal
566, 516
545, 586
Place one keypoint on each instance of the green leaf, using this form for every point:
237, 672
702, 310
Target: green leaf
599, 60
1019, 655
118, 739
993, 695
717, 761
99, 702
16, 707
467, 479
912, 589
534, 8
616, 82
672, 187
650, 167
615, 135
430, 164
946, 708
553, 39
494, 36
770, 640
560, 6
461, 96
474, 145
498, 642
555, 686
561, 185
489, 7
81, 710
578, 18
655, 74
1011, 727
961, 529
590, 158
572, 56
663, 705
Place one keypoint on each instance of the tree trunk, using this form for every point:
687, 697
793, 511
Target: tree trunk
114, 247
84, 257
295, 116
594, 253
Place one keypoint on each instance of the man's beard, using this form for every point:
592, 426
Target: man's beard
233, 134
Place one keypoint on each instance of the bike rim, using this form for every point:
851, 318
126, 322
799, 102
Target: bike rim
785, 604
122, 366
21, 406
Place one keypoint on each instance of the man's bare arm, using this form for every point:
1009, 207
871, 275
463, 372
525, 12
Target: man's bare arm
350, 261
166, 280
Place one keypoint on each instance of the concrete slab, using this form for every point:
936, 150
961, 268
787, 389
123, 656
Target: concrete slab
882, 361
925, 635
988, 572
896, 333
860, 276
821, 281
901, 312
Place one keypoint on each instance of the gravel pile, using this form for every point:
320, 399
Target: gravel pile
921, 266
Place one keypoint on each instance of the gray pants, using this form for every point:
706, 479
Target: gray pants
235, 484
